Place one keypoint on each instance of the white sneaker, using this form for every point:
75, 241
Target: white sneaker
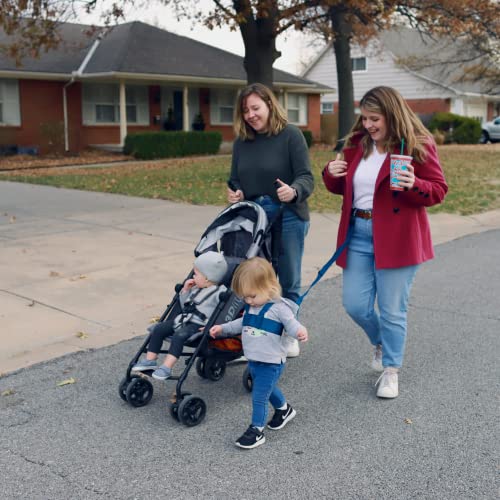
388, 384
377, 359
292, 347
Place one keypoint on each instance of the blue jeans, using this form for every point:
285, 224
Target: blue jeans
294, 232
265, 378
362, 283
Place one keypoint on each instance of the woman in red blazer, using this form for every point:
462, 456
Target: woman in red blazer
390, 233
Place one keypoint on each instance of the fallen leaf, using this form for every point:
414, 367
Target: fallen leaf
66, 382
8, 392
408, 421
80, 277
54, 274
154, 319
82, 335
31, 304
12, 219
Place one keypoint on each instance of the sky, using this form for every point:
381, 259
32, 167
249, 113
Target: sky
296, 49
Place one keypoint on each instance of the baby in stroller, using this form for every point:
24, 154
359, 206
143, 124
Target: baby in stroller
198, 299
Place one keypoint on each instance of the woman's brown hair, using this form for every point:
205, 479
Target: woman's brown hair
401, 121
277, 115
255, 275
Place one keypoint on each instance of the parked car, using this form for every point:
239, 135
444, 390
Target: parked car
490, 131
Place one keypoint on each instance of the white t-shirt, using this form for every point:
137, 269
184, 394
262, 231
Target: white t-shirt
364, 179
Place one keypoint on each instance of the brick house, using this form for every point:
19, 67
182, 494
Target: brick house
74, 96
428, 90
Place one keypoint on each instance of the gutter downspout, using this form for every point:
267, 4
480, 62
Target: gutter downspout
76, 74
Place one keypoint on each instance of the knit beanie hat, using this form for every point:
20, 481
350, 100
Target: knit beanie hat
212, 265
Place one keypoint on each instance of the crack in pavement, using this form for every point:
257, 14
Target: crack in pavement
56, 473
48, 306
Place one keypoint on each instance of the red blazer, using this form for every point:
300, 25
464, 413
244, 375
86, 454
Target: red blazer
401, 232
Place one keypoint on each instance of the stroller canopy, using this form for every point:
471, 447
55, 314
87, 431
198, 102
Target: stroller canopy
238, 231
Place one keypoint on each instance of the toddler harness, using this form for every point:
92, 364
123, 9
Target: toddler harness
260, 322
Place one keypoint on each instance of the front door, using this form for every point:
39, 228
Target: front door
178, 108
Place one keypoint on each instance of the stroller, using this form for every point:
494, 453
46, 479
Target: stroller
240, 231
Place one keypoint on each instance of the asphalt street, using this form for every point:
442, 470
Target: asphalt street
438, 440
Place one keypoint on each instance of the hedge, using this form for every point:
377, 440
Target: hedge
308, 137
458, 129
150, 145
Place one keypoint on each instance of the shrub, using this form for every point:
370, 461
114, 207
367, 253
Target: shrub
456, 128
150, 145
444, 121
308, 137
468, 132
439, 137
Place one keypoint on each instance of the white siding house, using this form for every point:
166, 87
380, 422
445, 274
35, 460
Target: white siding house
427, 91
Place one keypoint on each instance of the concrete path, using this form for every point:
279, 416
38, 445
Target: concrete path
81, 270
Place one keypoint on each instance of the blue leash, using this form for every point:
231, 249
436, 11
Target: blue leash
327, 266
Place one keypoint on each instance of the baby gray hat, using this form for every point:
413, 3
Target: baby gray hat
212, 265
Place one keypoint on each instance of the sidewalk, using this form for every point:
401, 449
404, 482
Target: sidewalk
82, 270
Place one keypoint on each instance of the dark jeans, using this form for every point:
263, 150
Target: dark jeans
293, 233
166, 329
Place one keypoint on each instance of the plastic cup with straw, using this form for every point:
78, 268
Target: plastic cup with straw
399, 162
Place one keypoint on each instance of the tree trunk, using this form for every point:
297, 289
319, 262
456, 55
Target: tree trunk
259, 38
342, 48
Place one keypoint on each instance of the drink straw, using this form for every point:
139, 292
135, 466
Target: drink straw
402, 145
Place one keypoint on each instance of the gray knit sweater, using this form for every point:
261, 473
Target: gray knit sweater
256, 164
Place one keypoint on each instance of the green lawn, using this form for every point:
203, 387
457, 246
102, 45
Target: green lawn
472, 172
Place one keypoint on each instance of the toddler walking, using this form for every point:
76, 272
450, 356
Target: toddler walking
267, 320
198, 299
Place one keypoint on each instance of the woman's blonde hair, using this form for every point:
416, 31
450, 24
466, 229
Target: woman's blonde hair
255, 275
401, 121
277, 115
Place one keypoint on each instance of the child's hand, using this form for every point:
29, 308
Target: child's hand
215, 330
302, 334
188, 284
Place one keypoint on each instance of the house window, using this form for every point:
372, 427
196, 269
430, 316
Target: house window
326, 108
101, 104
297, 109
358, 63
10, 110
222, 106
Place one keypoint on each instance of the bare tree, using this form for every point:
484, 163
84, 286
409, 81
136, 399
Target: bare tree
472, 25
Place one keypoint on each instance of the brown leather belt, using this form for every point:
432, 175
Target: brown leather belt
362, 214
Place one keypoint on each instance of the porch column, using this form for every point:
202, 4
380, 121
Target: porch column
123, 113
185, 109
285, 102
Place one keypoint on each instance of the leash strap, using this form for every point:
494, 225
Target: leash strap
258, 320
327, 266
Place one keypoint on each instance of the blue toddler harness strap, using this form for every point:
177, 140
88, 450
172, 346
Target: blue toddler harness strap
327, 266
260, 322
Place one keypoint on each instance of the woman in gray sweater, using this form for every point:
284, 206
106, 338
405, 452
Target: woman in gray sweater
270, 165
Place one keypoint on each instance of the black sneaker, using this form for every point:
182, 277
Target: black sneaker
281, 418
252, 438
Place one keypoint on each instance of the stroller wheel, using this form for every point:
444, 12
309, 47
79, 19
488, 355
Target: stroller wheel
174, 405
247, 380
200, 367
191, 411
214, 369
139, 392
122, 388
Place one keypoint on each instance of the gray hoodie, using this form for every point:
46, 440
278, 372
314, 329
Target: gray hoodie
259, 345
